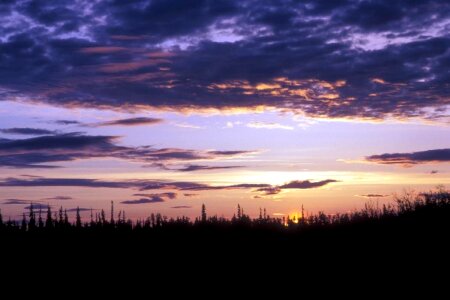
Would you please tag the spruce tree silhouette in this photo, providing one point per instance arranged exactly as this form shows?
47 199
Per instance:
32 221
66 218
49 221
204 217
112 213
24 223
78 218
40 221
103 217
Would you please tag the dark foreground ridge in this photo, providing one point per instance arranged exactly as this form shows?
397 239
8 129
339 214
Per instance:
415 228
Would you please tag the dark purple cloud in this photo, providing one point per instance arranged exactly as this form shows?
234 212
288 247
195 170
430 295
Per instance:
412 158
147 185
144 200
67 122
131 122
306 184
367 59
81 209
168 195
59 198
38 152
295 184
27 131
272 190
181 206
16 202
192 168
37 206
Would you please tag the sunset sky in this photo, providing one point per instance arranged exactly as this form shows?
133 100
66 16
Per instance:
162 105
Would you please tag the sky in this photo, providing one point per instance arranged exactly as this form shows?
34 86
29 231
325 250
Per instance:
163 105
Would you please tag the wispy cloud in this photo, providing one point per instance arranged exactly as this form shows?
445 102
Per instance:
187 125
138 121
269 125
193 168
373 196
58 198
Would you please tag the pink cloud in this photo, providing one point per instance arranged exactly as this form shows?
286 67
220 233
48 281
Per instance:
102 50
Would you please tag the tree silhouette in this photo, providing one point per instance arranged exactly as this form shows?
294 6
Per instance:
78 218
204 217
24 222
40 221
32 221
49 221
112 212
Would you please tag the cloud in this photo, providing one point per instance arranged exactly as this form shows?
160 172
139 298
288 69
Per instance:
187 125
154 199
190 195
37 206
27 131
373 196
412 158
131 122
272 190
81 209
67 122
295 184
168 195
306 184
16 202
181 206
157 184
192 168
37 152
102 50
59 198
313 57
74 182
266 125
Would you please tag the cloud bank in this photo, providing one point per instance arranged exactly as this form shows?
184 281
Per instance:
333 59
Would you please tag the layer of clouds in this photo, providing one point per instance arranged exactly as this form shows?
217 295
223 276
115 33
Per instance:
339 59
147 185
38 152
412 158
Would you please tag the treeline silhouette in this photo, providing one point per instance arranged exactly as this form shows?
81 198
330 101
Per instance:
408 206
413 224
